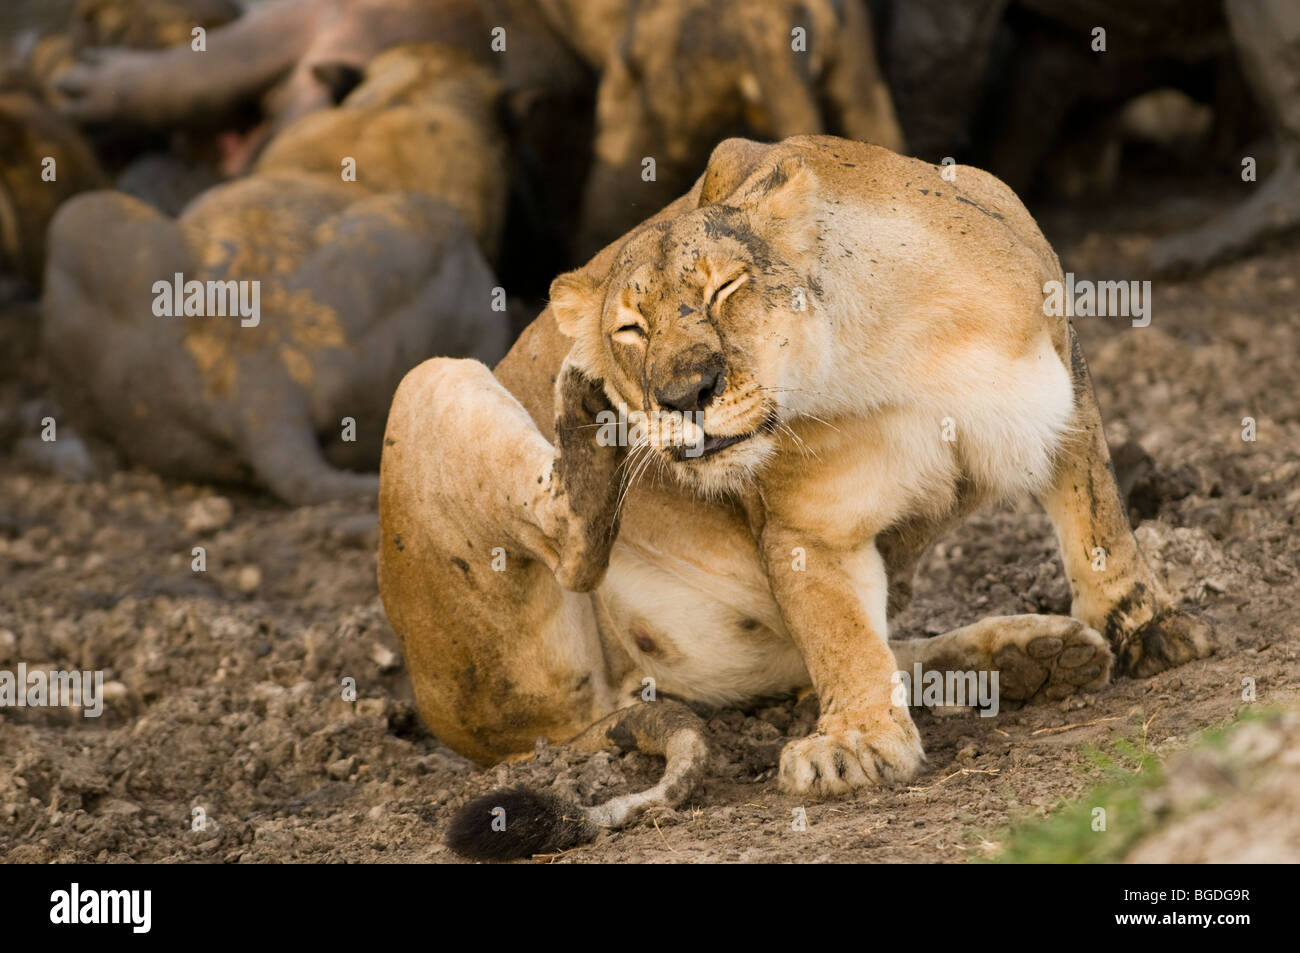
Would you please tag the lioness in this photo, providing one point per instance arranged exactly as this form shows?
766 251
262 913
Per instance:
829 310
676 76
281 53
132 24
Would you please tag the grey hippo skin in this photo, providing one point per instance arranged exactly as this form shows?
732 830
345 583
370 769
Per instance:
358 281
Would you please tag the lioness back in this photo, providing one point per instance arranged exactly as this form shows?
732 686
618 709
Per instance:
943 233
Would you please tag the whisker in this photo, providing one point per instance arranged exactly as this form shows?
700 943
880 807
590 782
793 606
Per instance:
632 452
821 421
627 481
645 462
804 449
837 401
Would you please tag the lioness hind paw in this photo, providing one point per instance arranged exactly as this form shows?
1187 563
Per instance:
1053 665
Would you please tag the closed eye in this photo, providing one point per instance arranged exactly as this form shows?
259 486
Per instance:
629 334
721 294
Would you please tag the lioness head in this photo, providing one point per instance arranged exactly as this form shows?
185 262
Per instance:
706 329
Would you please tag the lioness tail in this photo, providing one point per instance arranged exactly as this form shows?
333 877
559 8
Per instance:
517 822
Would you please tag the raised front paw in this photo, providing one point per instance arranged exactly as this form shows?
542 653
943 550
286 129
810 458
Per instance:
582 412
1174 636
847 753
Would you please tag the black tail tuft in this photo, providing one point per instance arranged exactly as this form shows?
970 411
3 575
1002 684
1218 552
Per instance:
532 823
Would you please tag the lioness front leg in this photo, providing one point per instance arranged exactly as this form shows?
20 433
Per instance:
833 603
1115 590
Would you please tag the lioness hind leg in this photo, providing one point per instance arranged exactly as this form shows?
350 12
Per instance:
1037 657
484 542
1114 589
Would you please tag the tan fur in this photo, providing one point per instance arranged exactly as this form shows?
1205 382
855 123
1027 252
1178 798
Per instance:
676 76
421 122
31 130
30 133
132 24
272 53
856 306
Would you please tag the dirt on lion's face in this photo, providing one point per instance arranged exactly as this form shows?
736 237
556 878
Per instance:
694 331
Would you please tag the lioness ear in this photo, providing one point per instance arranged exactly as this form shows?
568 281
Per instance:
575 301
788 190
783 201
732 162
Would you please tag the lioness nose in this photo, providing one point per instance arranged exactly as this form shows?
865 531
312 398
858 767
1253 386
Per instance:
691 393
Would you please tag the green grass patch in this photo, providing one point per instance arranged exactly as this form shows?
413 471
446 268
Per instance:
1127 769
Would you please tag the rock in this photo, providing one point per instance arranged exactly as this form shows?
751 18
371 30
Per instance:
341 769
437 761
66 457
23 553
1233 802
272 838
384 657
116 807
207 515
249 579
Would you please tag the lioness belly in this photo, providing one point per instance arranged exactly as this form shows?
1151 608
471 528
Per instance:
686 600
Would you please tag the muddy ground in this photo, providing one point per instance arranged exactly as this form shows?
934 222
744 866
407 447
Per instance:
225 685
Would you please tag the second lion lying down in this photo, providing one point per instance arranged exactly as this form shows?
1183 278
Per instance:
862 351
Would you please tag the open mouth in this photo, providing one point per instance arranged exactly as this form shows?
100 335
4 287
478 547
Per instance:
713 445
